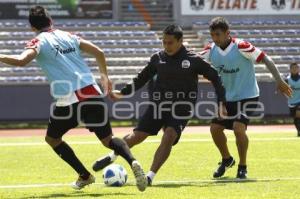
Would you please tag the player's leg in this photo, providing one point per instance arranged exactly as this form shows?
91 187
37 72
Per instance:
135 138
220 139
120 147
173 127
95 117
295 112
131 139
57 127
242 142
147 125
217 131
163 151
246 110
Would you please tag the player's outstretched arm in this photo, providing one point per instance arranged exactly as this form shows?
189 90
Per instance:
92 49
19 60
141 79
282 86
116 95
212 75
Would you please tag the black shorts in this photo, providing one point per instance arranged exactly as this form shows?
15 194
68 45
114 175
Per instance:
151 122
92 113
237 111
294 109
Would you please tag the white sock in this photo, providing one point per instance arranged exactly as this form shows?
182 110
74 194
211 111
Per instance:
151 175
112 156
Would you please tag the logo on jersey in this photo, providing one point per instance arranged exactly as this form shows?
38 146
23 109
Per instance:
197 4
58 49
278 4
185 64
223 70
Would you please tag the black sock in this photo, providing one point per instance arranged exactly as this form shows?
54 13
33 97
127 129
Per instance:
242 167
297 123
228 160
67 154
121 148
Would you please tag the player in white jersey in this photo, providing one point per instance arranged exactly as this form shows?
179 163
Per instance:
234 59
78 97
294 102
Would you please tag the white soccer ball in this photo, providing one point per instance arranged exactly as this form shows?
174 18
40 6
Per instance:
114 175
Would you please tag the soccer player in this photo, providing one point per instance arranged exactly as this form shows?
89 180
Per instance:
294 102
78 97
234 59
173 73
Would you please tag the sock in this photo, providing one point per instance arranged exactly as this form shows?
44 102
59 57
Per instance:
297 123
151 175
227 160
242 167
67 154
120 147
112 156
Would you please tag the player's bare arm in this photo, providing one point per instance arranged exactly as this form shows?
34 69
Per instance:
283 87
92 49
19 60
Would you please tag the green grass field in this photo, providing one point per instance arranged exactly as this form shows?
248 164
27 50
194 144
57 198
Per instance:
30 169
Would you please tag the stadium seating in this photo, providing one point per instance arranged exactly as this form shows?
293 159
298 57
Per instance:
278 38
128 45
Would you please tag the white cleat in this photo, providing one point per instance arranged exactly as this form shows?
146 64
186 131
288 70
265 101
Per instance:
140 177
80 183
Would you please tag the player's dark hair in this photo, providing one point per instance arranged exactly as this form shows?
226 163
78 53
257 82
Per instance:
174 30
293 64
219 23
39 17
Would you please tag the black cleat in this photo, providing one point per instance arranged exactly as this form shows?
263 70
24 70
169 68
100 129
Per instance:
149 181
102 163
223 166
242 172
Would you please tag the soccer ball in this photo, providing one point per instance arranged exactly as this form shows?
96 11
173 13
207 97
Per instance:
115 175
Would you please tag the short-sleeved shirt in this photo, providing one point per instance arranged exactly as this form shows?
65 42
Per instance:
295 85
59 56
235 64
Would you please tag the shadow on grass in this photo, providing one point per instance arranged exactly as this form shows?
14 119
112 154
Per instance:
78 194
203 183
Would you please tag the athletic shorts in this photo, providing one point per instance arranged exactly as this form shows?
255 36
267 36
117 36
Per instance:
294 109
237 111
151 123
92 113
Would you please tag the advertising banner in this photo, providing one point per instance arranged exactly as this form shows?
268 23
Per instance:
18 9
240 7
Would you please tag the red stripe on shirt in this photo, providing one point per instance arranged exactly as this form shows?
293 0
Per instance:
260 57
86 92
244 45
250 51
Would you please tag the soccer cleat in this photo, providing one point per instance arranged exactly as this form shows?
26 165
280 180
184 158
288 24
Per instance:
149 181
241 173
81 183
223 166
102 163
141 179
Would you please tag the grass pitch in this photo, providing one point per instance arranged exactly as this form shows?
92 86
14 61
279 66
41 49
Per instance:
30 169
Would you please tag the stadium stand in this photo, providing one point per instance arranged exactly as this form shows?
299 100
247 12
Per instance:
279 39
128 45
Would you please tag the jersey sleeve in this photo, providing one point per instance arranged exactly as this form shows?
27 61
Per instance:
206 52
75 37
34 44
249 51
142 78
